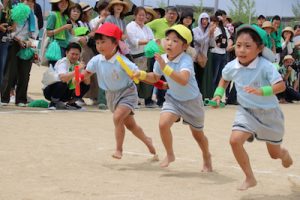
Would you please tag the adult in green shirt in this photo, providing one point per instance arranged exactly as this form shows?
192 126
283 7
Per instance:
159 26
57 26
276 35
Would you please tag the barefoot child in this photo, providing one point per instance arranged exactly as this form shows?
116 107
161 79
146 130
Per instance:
257 81
121 92
183 98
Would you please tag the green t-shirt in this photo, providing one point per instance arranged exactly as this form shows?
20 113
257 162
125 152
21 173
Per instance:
159 27
276 35
51 21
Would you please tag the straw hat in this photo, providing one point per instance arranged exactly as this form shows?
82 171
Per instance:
152 12
85 7
268 24
54 1
290 29
287 57
123 3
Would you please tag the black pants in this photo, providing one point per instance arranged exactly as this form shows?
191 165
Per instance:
289 94
16 72
60 91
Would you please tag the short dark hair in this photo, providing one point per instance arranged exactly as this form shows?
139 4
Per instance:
261 17
172 8
73 45
138 9
77 6
276 17
296 26
101 6
220 13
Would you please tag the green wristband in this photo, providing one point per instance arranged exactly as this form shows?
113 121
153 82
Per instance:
267 90
219 92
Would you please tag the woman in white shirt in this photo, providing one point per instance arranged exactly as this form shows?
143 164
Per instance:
138 36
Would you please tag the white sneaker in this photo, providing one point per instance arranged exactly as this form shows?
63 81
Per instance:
12 99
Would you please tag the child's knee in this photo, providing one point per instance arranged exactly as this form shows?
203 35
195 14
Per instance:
163 125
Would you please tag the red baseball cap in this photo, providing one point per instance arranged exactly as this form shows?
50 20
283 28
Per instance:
111 30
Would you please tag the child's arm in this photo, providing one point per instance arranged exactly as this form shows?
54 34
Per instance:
149 77
181 77
267 90
220 90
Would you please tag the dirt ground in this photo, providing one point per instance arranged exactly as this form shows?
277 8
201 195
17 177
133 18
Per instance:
66 155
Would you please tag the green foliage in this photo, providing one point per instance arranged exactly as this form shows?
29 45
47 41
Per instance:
161 3
296 10
198 9
243 10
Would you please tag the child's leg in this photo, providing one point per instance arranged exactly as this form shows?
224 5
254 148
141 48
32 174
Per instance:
202 141
165 122
119 116
139 133
276 151
237 140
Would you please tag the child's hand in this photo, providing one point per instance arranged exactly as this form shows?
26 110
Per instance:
160 61
252 90
136 74
81 65
218 100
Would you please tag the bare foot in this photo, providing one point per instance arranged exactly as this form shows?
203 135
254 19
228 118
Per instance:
150 146
207 166
154 158
117 154
168 159
251 182
286 160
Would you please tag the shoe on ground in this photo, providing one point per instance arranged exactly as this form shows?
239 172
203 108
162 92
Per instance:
80 102
21 105
151 105
59 105
4 104
102 106
73 106
12 99
52 106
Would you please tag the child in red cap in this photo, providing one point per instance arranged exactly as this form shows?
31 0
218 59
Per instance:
121 92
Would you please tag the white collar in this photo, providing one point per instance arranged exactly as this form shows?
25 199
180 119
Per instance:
112 59
252 65
176 60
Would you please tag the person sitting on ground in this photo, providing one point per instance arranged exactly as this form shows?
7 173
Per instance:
64 89
289 76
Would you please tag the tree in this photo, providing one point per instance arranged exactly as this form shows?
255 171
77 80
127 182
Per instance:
243 10
198 9
296 10
161 4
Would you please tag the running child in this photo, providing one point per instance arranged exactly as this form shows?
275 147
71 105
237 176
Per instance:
259 116
183 98
121 92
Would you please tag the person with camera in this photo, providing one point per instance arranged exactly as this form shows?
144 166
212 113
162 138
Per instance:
20 58
290 78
